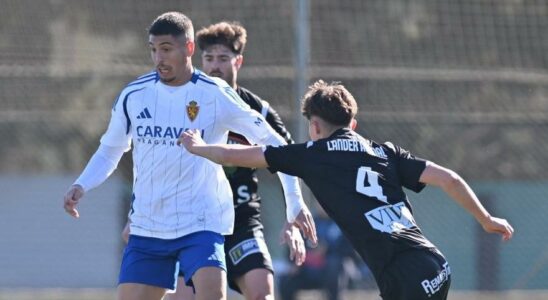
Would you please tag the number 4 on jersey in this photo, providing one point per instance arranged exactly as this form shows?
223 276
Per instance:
373 189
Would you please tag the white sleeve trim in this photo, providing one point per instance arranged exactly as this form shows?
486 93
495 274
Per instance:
264 110
100 166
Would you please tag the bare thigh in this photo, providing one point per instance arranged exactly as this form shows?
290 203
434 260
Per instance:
183 291
210 283
257 284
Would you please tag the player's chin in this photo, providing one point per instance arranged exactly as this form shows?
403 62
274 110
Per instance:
167 78
217 74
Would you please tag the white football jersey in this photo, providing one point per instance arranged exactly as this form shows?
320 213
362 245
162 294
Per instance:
176 193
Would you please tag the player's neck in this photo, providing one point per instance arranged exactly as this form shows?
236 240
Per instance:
327 132
183 79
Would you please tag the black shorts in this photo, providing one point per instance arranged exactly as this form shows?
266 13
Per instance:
245 250
416 275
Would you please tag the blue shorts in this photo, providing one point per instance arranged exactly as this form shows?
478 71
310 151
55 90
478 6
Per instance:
156 262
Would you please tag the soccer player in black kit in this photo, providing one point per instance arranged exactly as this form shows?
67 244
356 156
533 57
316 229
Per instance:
360 184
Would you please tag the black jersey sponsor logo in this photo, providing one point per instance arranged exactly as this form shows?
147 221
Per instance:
391 218
431 286
246 248
192 110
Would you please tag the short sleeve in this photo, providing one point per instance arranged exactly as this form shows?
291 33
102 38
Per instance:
409 168
288 159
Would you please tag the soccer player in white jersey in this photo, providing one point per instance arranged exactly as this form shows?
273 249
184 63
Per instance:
249 265
182 204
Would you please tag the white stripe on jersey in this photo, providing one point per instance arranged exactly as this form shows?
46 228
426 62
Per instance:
264 109
177 193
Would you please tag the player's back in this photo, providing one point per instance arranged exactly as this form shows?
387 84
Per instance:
359 184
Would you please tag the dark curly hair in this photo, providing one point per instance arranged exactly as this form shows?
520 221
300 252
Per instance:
331 102
230 34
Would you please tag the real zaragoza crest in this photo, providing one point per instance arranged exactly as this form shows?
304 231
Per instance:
192 110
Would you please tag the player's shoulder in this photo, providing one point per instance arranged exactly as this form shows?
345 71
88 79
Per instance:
248 95
212 84
136 85
300 148
308 146
392 149
217 89
143 80
388 145
254 101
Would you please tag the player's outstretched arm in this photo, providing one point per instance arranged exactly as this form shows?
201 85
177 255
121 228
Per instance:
242 156
459 191
71 199
227 155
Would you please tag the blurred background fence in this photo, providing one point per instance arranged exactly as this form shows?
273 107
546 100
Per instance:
462 83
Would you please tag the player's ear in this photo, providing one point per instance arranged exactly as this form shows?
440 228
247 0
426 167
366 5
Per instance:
239 61
353 124
190 45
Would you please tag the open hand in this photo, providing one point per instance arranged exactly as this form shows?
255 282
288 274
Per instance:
291 236
305 222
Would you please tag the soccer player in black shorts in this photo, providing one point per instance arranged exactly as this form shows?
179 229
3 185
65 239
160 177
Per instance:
360 184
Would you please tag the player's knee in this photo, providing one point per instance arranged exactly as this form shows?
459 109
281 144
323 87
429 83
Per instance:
211 294
259 294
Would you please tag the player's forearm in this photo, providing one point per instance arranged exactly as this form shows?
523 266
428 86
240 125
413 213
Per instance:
459 191
233 155
100 166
